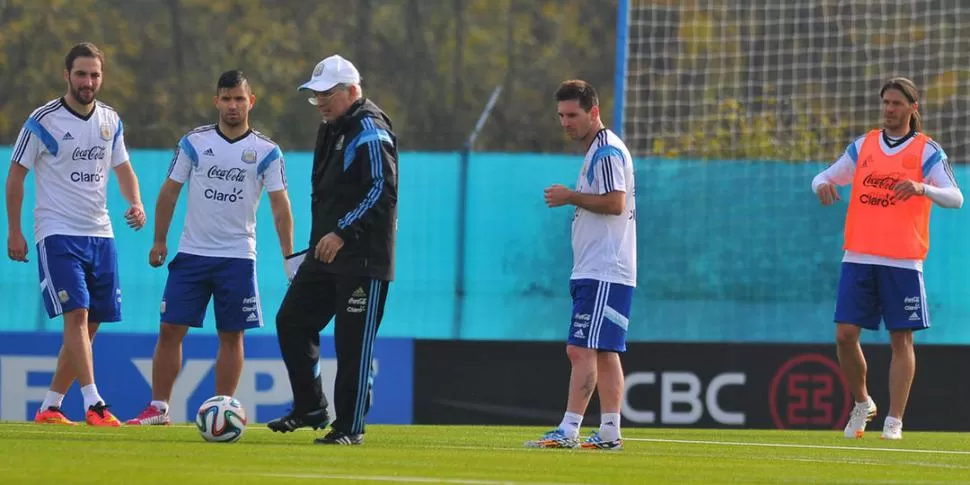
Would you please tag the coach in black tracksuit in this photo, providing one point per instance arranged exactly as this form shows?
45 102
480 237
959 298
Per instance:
346 271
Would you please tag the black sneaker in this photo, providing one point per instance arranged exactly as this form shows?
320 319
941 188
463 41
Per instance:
293 421
335 437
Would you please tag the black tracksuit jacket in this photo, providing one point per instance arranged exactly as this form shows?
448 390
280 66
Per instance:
355 191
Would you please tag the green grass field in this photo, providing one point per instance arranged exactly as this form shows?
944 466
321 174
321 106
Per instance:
474 456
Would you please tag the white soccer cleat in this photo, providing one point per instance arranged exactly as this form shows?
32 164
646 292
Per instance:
892 429
861 414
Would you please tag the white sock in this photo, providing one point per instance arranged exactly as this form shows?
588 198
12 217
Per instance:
610 427
52 399
91 396
891 420
161 406
570 424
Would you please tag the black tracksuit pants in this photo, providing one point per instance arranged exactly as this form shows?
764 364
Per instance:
314 297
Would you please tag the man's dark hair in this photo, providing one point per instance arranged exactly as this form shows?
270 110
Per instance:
908 88
578 90
84 49
231 79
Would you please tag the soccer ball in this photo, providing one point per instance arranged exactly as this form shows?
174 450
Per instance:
221 419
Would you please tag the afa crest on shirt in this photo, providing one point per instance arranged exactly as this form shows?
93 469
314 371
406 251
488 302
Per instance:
911 161
249 156
105 132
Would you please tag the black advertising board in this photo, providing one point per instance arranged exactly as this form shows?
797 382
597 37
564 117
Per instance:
766 386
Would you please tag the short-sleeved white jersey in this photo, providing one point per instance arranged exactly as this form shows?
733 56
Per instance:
71 156
226 178
605 246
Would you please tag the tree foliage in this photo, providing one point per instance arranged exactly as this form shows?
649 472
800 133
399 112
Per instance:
431 64
751 79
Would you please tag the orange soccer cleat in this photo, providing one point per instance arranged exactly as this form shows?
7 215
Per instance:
52 415
98 415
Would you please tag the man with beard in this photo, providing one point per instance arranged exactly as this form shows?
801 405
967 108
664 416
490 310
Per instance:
70 143
897 174
604 274
228 165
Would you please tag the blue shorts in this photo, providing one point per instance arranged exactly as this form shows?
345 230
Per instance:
601 314
868 292
230 282
80 272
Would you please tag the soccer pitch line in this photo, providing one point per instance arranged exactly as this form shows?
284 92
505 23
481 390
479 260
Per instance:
792 445
396 479
512 448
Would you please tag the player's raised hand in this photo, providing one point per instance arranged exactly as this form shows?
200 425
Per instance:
135 216
906 189
17 247
158 254
557 195
828 194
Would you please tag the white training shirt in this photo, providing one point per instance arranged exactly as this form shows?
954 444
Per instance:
226 179
941 188
70 156
605 246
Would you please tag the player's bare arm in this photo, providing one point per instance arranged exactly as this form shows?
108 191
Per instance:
279 202
128 183
168 196
611 203
16 243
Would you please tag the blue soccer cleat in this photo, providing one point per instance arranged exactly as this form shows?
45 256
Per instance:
594 442
556 438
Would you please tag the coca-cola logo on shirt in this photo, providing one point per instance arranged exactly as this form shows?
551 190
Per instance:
96 152
228 174
883 180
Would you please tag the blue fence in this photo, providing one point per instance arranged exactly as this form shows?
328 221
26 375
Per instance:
728 251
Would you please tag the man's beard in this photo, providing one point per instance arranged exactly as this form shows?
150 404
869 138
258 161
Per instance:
79 95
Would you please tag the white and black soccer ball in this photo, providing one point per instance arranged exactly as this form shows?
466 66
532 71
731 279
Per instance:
221 419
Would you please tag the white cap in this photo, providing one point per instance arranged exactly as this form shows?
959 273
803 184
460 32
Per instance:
330 72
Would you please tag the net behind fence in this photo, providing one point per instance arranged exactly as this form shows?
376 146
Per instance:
772 80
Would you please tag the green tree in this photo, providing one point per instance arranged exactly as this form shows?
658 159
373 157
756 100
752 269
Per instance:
430 63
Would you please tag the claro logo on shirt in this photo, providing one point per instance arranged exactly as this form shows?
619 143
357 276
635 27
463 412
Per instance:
232 196
88 177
